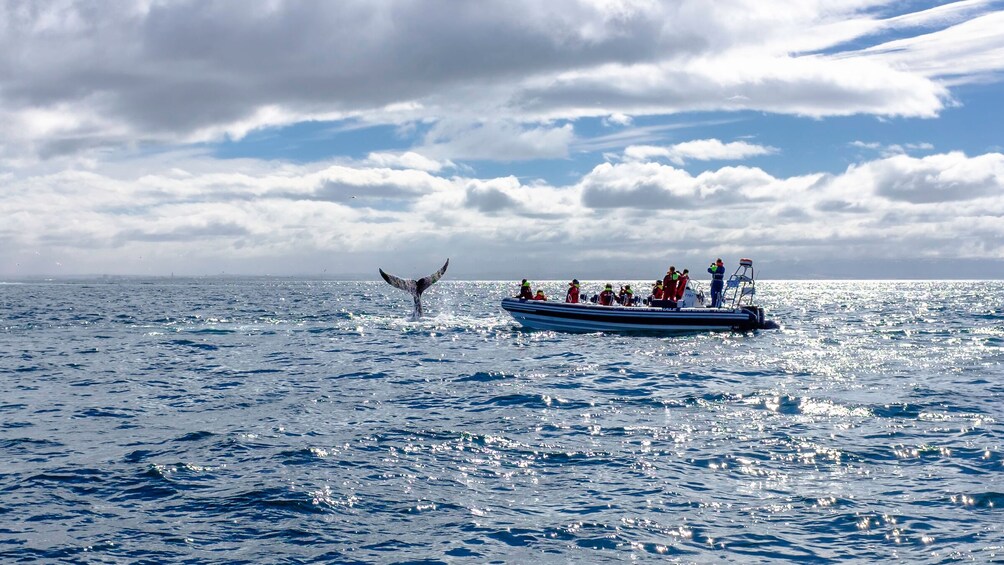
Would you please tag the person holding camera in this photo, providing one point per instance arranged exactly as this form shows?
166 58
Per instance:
717 270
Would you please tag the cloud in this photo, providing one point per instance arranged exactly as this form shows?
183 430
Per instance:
497 140
499 79
406 160
699 150
966 52
490 197
617 119
189 213
652 186
892 149
938 178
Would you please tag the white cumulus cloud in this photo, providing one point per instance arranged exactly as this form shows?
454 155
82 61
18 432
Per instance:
699 150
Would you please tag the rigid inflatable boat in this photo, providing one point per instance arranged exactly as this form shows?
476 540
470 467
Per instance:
738 312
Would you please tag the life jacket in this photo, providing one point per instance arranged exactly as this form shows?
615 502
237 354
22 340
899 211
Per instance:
573 294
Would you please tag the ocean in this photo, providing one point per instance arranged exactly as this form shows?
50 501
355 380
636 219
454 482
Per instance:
269 420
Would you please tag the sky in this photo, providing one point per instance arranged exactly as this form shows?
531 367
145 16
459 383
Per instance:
589 138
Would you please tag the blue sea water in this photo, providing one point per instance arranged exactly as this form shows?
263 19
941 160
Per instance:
297 421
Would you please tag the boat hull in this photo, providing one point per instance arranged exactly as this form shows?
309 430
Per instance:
589 317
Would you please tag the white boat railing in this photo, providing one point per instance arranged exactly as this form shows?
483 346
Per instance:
740 289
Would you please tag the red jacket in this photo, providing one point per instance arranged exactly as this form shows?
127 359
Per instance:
681 286
573 295
669 284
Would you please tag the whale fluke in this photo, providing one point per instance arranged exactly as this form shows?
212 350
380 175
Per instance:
415 287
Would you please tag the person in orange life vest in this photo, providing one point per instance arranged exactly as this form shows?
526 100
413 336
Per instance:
717 270
657 290
607 296
539 295
628 299
573 292
524 291
681 285
669 283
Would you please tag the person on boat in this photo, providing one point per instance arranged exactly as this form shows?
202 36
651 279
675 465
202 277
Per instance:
681 285
539 295
524 291
620 295
657 290
717 270
669 283
628 299
572 296
607 296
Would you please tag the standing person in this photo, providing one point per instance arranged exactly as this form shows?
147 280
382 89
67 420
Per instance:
572 297
669 283
681 285
607 296
524 291
717 270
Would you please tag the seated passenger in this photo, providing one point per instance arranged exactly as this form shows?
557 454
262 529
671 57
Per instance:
657 290
628 299
524 291
539 295
572 296
607 296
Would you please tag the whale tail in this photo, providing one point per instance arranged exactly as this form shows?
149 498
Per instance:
415 287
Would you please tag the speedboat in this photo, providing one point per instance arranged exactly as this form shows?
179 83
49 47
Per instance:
660 316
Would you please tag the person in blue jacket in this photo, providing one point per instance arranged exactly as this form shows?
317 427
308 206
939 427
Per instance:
717 270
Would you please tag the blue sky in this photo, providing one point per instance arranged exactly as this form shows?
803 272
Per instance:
587 138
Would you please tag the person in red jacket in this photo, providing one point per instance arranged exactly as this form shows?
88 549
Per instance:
669 283
681 285
657 290
572 297
539 295
607 296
